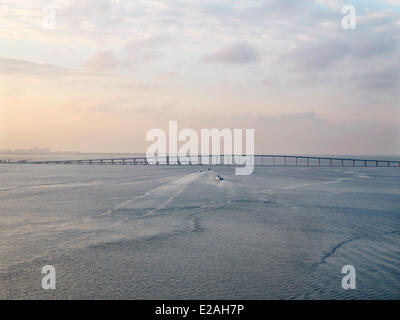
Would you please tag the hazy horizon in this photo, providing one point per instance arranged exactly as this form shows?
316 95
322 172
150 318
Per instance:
31 151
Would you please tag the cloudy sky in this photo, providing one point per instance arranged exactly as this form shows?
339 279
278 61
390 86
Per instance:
110 70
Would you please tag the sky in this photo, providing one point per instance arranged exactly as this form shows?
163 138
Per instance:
107 71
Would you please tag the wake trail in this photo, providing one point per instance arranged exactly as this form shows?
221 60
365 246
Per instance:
344 242
335 248
316 183
171 190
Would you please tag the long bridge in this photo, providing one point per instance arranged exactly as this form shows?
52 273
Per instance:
224 160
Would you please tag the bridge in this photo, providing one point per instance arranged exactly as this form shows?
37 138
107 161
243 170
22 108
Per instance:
223 160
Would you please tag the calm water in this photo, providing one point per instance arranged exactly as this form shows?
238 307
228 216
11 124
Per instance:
125 232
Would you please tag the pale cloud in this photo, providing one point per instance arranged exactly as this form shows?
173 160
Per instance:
317 57
169 76
148 43
10 66
102 61
391 2
334 4
146 49
238 53
162 110
388 78
16 66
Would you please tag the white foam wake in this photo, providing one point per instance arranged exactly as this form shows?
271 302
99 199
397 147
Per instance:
159 197
314 183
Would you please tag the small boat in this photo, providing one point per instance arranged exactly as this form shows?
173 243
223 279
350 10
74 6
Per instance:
219 178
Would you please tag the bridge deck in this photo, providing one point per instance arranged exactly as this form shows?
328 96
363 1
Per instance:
225 160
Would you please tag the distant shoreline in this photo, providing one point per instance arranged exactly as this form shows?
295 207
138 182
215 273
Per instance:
61 152
28 152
